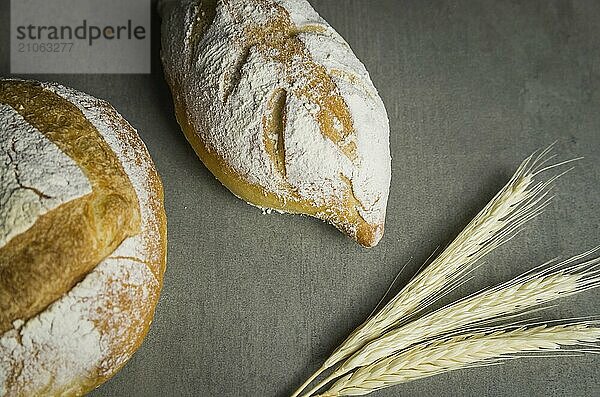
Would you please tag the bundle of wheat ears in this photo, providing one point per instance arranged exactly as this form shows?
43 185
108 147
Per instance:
406 340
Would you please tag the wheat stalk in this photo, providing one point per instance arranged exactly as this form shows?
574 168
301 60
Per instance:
534 288
465 351
515 296
522 199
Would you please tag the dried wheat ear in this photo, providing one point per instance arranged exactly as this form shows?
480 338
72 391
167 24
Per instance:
406 340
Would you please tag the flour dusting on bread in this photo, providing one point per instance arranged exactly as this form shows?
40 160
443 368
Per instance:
324 140
90 332
35 177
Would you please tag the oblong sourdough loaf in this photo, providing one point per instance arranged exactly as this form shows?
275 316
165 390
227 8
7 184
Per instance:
279 109
82 240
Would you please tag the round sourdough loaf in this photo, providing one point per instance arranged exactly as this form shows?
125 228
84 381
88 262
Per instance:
82 240
279 109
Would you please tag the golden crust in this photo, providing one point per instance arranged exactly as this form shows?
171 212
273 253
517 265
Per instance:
155 241
344 216
278 40
123 310
41 264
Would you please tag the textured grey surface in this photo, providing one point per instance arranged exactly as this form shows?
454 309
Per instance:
253 303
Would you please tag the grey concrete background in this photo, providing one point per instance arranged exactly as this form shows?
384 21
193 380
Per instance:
253 303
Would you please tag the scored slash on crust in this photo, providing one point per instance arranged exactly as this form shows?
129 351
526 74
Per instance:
278 40
274 128
272 114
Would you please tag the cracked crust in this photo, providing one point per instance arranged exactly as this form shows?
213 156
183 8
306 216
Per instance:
40 265
95 262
